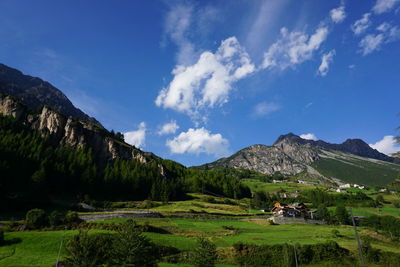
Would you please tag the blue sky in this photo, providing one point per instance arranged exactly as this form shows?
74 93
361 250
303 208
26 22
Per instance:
196 80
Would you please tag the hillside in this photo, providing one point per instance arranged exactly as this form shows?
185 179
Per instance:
350 162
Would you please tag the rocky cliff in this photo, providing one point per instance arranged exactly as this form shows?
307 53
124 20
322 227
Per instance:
353 146
291 155
34 93
63 130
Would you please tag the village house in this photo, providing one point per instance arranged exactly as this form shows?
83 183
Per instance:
304 182
279 181
291 210
345 186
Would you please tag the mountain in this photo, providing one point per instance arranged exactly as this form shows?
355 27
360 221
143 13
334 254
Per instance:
352 161
34 92
353 146
396 157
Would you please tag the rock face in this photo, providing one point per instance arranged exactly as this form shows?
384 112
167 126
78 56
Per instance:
34 92
353 146
62 130
264 159
291 155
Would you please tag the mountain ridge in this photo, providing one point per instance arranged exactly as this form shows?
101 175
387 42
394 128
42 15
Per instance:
292 155
34 92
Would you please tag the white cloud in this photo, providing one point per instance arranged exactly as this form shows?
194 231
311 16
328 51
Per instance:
177 24
309 136
264 108
387 145
371 42
362 24
137 137
168 128
197 141
208 82
293 48
338 14
325 61
387 34
382 6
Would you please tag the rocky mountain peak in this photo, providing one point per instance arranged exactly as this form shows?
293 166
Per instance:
289 138
33 92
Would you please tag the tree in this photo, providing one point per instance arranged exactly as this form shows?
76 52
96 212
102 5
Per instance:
36 218
323 213
380 199
84 250
131 248
342 215
205 254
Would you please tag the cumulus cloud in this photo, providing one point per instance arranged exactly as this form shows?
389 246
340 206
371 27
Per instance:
362 24
338 14
168 128
387 145
386 34
265 108
197 141
293 48
325 61
382 6
208 82
309 136
137 137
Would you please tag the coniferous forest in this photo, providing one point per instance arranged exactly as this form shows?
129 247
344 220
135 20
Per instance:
32 168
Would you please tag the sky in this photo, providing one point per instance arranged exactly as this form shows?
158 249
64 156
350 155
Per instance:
194 81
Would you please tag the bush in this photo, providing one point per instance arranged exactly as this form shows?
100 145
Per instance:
72 217
283 255
335 233
55 218
36 218
396 203
205 254
88 250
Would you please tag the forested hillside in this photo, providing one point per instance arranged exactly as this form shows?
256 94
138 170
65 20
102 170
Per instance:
33 168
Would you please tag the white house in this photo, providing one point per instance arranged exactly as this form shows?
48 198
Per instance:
345 186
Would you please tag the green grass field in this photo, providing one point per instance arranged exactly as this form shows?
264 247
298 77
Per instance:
41 248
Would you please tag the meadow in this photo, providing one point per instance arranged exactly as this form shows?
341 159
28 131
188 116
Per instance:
41 248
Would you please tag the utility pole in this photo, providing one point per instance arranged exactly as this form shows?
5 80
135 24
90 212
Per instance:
295 253
358 239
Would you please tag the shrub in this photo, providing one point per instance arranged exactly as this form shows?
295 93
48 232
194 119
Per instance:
86 250
396 203
131 248
36 218
205 254
380 199
283 255
210 200
55 218
72 217
335 233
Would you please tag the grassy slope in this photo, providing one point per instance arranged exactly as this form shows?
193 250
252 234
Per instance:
41 248
359 171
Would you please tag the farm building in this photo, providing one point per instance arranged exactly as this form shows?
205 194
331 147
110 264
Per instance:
292 210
